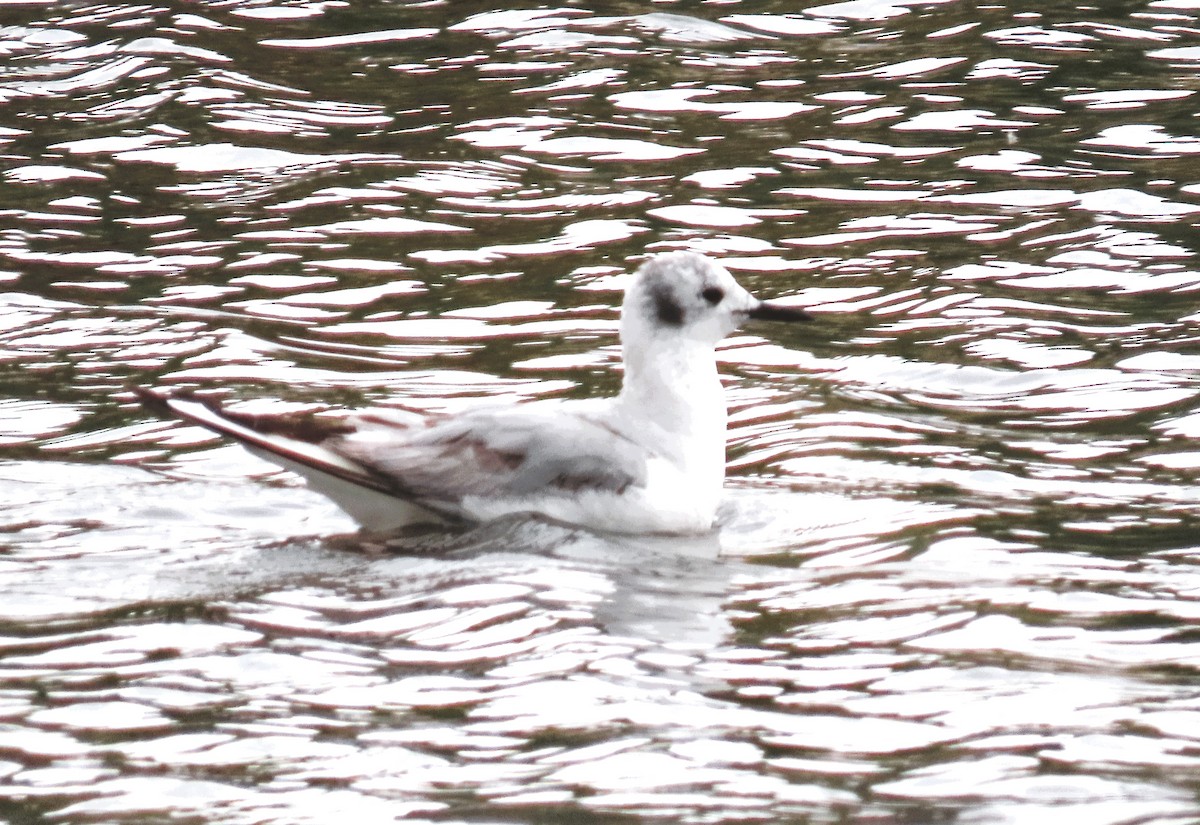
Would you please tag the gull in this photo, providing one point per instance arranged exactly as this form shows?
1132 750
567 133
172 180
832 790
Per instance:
649 460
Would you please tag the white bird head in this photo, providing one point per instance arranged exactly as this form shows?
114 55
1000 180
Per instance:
685 295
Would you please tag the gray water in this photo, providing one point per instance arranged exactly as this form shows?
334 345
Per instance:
957 578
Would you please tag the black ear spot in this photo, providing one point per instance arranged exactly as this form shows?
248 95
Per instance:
667 309
713 294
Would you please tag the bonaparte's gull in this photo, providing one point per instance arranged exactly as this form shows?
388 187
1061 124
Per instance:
649 460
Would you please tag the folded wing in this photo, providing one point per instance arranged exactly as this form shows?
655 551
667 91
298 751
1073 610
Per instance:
389 468
508 453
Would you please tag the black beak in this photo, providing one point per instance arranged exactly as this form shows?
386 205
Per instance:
774 312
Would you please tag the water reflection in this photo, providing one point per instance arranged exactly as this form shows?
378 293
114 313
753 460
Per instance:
956 574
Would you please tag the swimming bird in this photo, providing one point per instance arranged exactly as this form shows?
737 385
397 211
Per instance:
648 460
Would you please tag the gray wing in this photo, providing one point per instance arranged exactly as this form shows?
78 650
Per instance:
508 452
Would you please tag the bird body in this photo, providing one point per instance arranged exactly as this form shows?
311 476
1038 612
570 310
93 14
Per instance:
649 460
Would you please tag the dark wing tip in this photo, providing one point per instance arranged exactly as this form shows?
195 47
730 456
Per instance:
181 404
153 400
160 402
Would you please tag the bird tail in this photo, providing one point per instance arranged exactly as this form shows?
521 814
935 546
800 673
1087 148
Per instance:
296 444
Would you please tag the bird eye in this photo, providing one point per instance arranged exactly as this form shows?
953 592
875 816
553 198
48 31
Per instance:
713 295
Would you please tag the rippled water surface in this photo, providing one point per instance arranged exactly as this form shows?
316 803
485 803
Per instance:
958 578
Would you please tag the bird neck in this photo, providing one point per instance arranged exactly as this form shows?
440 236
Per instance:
673 387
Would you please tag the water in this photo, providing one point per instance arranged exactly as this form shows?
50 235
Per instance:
958 576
